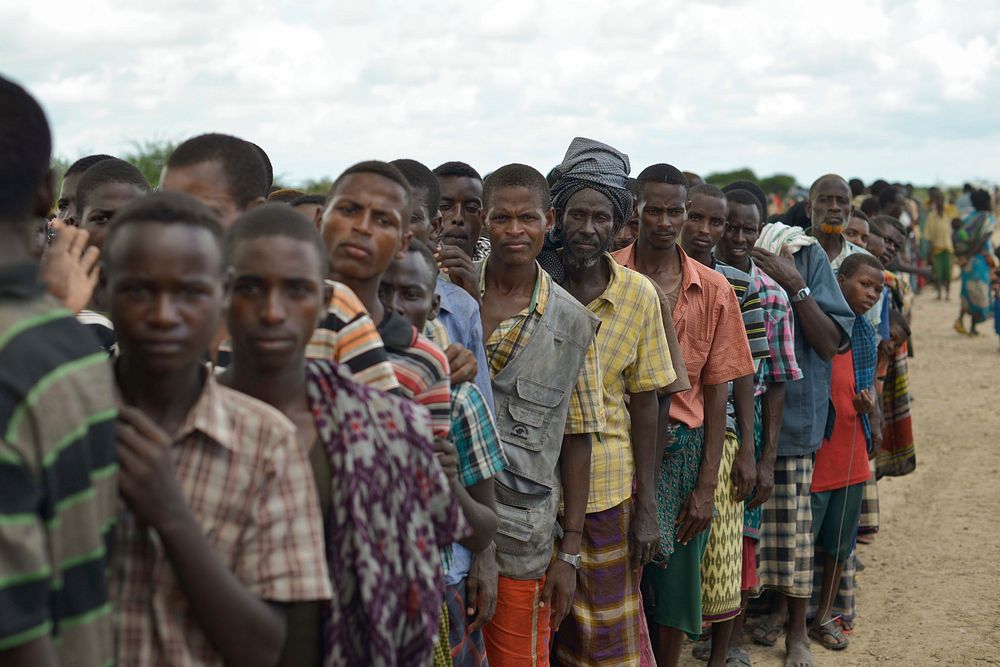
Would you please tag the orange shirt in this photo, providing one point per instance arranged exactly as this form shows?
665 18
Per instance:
710 331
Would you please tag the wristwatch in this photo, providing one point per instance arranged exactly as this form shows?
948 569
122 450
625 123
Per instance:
801 295
575 559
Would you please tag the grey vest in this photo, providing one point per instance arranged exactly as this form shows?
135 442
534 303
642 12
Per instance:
532 395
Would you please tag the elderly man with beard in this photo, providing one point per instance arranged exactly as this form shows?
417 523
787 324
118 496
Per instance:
620 533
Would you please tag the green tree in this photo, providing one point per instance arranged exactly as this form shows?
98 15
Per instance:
778 183
317 186
722 178
149 156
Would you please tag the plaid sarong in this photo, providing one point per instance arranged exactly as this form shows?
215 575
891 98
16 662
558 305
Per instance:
603 626
869 505
467 648
786 536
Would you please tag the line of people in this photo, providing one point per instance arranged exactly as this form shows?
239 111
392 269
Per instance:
432 418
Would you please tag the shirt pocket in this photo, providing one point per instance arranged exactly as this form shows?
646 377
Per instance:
531 411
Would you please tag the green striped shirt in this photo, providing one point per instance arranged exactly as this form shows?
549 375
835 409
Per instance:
58 483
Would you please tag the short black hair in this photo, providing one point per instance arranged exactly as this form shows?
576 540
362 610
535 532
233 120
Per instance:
274 219
164 208
421 178
877 187
870 206
857 186
308 199
379 168
246 173
706 189
738 196
85 163
899 319
858 213
752 188
457 169
852 263
25 151
826 177
418 247
981 200
268 167
633 185
886 221
517 175
659 173
108 171
888 195
693 178
875 230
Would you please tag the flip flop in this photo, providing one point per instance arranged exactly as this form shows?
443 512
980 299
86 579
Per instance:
738 657
766 633
702 649
960 328
830 636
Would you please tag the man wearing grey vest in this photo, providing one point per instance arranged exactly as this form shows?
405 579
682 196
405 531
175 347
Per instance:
547 389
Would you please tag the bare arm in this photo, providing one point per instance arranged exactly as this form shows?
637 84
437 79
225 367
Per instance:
478 504
745 467
643 409
773 413
696 514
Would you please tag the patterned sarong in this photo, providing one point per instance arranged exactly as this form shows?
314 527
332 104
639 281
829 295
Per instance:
869 505
677 479
786 540
751 517
722 565
603 626
898 456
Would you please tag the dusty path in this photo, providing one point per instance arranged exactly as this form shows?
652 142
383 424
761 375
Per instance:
931 592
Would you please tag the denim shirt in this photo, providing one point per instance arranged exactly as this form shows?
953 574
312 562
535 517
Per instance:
807 401
460 317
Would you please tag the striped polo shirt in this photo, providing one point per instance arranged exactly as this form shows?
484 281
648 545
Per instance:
58 481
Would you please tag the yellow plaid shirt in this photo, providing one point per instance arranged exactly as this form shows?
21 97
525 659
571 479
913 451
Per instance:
586 407
635 358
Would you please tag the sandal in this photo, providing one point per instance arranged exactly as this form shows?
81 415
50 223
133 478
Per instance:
738 657
960 328
766 633
829 635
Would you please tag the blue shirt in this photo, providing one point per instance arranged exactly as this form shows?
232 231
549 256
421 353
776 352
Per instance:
807 401
460 317
883 326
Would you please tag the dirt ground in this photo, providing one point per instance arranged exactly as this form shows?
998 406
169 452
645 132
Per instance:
930 593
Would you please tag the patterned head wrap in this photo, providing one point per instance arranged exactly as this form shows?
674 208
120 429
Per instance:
591 164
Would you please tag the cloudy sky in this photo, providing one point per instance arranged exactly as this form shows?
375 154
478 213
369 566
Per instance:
905 90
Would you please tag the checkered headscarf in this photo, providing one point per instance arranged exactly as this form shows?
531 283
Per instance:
591 164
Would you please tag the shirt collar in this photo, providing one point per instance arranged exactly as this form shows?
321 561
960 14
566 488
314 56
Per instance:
689 273
19 280
540 293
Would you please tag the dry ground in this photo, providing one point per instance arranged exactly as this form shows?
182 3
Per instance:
930 594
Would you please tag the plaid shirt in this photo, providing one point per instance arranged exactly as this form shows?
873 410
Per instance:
635 358
250 488
586 404
864 351
474 434
780 365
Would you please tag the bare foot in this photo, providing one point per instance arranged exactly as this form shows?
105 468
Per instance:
799 654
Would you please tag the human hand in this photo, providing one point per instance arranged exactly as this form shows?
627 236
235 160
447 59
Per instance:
644 534
146 473
781 268
459 268
744 474
481 588
70 268
447 457
558 592
462 363
864 402
696 514
765 485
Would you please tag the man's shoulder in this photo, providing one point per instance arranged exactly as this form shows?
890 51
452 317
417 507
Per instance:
568 305
712 281
638 288
426 346
344 305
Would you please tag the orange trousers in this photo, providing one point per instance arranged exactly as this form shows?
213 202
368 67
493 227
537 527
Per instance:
518 635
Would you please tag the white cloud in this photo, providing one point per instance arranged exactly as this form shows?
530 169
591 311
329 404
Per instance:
890 89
